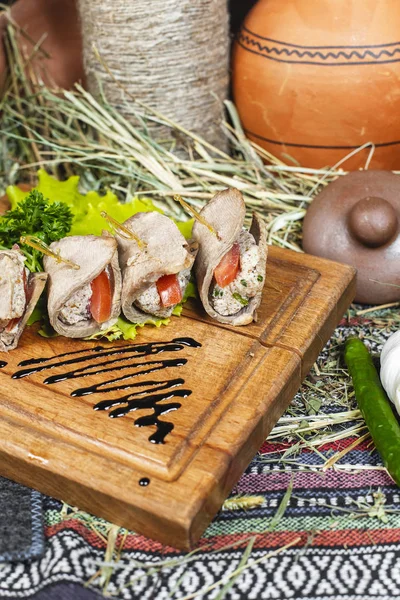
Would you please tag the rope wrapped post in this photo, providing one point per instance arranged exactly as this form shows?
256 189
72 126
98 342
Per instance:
172 56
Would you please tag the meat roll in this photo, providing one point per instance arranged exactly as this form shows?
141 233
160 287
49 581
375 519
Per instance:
19 292
230 267
155 274
84 301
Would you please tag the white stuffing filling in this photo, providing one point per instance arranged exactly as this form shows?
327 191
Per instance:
7 337
149 300
12 288
77 308
12 291
232 298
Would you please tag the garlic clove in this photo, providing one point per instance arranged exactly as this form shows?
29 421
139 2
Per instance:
390 369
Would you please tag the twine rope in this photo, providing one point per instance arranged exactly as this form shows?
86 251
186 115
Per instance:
172 55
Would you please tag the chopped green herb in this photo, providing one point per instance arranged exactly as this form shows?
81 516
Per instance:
35 215
260 277
216 292
243 282
240 299
221 293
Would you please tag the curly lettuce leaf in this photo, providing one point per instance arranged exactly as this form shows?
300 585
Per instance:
86 208
124 330
53 189
185 227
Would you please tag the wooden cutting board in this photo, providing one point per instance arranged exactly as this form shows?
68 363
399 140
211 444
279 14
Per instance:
186 417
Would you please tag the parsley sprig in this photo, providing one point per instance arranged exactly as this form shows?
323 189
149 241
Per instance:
35 215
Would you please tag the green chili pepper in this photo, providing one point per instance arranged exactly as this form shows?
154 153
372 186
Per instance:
374 405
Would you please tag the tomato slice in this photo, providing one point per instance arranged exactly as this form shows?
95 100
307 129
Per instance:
24 279
101 300
228 268
169 290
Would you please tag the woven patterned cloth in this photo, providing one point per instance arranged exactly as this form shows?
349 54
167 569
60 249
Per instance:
347 519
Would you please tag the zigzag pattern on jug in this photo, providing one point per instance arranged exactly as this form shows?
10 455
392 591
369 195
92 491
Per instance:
292 53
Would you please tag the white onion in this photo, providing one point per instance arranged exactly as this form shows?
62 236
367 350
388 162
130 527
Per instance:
390 369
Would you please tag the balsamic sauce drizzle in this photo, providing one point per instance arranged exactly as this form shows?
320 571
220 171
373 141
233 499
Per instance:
141 350
2 364
37 361
84 371
96 388
142 399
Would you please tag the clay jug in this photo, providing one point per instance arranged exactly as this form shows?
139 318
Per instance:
315 79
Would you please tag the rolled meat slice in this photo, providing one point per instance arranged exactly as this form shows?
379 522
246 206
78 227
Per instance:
19 292
230 267
84 301
156 273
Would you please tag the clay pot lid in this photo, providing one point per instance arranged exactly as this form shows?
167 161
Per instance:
356 220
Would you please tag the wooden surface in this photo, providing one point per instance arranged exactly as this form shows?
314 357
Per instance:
242 380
